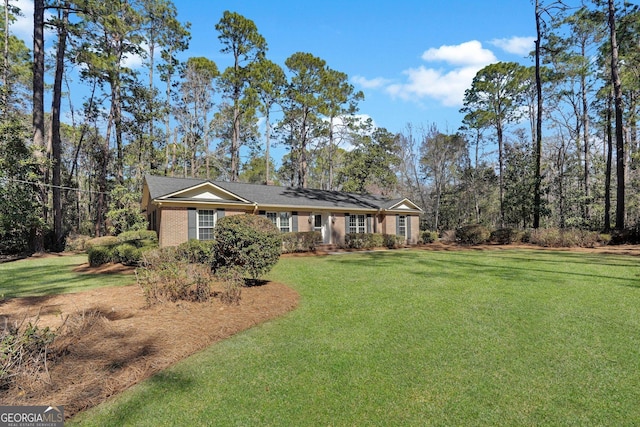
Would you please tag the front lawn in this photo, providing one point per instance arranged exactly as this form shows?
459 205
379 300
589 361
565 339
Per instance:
53 274
419 338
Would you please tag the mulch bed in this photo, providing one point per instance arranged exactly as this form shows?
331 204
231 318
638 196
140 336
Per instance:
110 339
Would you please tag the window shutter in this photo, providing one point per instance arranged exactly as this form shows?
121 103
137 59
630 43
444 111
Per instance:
294 222
397 225
219 213
192 223
346 223
369 224
408 229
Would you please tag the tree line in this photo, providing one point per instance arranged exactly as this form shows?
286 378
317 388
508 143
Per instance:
82 173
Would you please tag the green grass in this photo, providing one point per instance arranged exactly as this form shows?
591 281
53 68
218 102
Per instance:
52 275
419 338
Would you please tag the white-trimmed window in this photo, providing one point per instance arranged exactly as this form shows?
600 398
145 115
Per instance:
402 225
357 224
206 223
282 220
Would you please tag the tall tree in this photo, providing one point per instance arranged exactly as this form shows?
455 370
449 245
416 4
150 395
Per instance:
268 83
440 158
241 39
56 143
619 136
369 167
303 106
495 97
193 109
341 101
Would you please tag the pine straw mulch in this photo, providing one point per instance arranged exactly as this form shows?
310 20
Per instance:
110 339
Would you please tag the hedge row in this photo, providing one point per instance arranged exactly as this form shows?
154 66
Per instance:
126 248
301 241
372 240
476 234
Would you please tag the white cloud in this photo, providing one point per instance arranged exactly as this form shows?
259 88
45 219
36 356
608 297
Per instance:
23 27
365 83
447 87
515 45
468 53
448 83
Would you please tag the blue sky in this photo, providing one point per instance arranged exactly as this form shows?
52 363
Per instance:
413 59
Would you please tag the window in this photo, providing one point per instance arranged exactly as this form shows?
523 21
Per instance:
282 220
357 224
206 222
402 225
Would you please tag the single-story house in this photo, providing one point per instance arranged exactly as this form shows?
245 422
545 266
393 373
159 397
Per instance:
180 209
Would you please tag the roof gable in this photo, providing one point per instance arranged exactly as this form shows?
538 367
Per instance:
205 191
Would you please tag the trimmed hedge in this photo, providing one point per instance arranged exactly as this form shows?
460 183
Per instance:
301 241
428 236
474 234
249 244
196 251
506 236
363 240
393 241
99 255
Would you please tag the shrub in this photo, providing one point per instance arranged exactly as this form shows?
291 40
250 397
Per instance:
393 241
99 255
302 241
196 251
249 243
101 241
139 237
164 277
428 236
506 236
363 240
76 242
127 254
566 238
473 234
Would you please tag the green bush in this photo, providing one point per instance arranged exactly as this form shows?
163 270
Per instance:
393 241
251 244
139 237
473 234
101 241
506 236
99 255
363 240
302 241
127 254
196 251
428 236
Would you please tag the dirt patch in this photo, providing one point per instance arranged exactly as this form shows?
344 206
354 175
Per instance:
114 340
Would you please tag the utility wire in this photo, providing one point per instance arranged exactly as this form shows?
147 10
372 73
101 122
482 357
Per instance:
53 186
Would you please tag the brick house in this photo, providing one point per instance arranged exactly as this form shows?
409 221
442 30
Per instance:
179 209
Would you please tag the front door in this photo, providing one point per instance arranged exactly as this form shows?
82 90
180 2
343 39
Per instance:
321 224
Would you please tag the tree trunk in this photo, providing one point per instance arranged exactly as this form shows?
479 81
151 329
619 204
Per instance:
617 92
5 67
536 198
607 174
55 130
38 106
585 136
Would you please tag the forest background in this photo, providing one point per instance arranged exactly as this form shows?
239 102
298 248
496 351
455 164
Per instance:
550 145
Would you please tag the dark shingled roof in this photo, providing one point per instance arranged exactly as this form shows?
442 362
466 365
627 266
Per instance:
269 195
